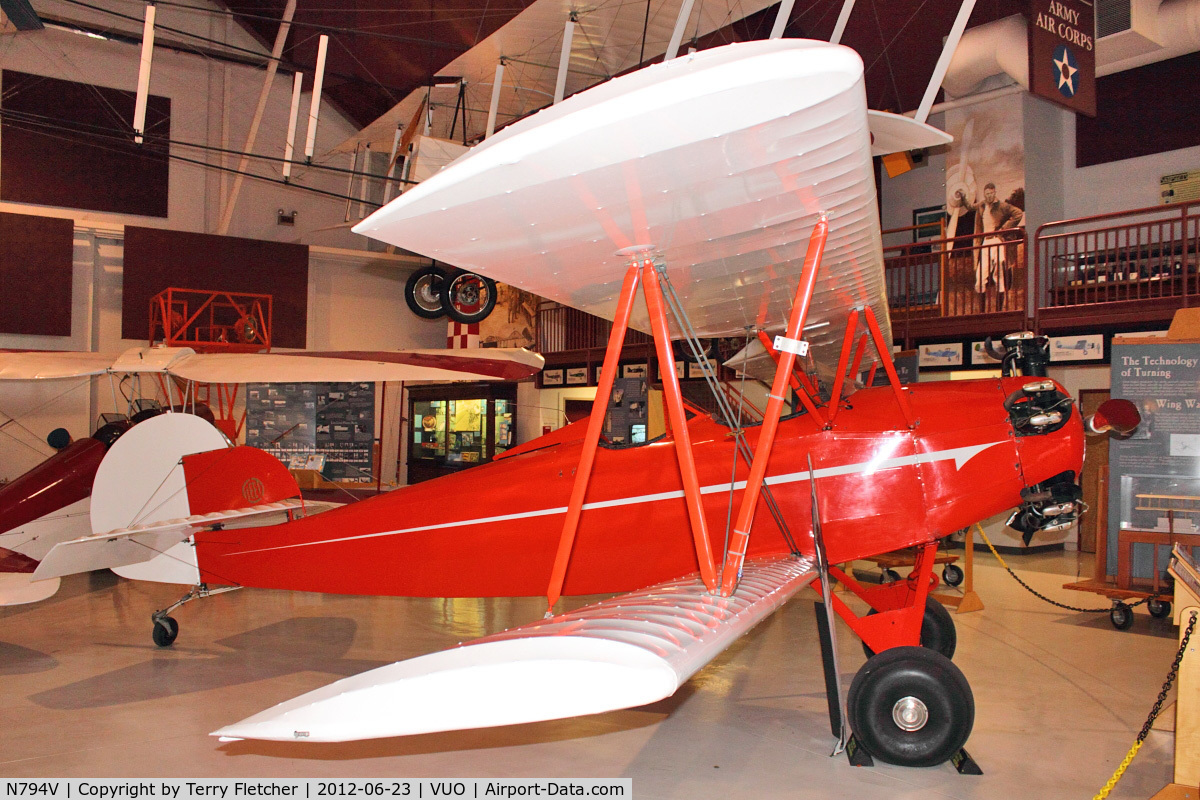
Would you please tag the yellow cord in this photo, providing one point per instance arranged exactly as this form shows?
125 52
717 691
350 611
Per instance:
988 542
1112 782
1108 787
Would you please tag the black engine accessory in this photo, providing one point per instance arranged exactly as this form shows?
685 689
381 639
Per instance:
1052 505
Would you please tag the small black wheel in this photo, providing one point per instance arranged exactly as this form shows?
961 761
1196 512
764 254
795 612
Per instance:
165 631
952 575
423 292
1159 609
937 630
709 348
1121 617
911 706
468 298
889 576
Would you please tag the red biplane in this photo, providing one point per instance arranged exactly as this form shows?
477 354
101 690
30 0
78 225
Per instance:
734 186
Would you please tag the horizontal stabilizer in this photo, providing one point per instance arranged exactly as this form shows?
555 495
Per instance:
140 543
894 133
627 651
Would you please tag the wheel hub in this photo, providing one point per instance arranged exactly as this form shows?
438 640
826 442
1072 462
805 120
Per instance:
910 714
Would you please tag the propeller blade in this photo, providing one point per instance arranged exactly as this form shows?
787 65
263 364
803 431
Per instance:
1120 416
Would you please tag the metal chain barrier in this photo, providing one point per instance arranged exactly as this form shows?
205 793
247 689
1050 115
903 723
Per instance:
1154 712
1039 595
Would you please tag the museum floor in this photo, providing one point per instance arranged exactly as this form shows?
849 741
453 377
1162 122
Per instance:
1060 696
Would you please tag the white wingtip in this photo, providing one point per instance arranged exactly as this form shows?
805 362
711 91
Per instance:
475 686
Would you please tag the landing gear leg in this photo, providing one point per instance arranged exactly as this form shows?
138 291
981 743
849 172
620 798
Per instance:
166 629
908 705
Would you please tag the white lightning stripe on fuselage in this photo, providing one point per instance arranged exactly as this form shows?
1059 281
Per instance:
959 455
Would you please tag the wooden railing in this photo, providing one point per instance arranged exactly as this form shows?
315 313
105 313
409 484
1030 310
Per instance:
966 276
562 328
1128 266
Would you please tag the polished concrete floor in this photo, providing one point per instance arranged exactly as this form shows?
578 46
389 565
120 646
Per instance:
1059 695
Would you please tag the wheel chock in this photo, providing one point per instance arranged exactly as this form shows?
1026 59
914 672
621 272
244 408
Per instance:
965 765
858 756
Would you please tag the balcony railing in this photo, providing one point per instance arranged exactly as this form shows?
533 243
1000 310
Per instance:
562 328
1126 267
931 282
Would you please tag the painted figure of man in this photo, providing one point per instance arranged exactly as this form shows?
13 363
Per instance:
992 217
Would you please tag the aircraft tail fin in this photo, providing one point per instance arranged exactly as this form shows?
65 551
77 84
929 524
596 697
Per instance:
149 498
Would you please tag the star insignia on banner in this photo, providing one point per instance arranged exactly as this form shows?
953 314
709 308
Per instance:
1066 69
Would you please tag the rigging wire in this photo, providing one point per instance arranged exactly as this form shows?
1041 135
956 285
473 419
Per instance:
207 165
123 136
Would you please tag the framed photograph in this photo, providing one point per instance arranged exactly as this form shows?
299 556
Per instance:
1088 347
552 377
927 222
633 371
941 355
980 355
577 376
694 370
679 370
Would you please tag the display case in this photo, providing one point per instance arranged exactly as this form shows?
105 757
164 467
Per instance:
455 427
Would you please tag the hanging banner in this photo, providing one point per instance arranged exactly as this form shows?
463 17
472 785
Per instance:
1062 53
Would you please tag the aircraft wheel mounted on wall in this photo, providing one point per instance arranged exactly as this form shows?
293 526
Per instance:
467 297
1159 609
953 575
1121 617
165 632
937 630
911 706
423 292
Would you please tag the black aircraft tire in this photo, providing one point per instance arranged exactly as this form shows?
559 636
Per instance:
165 632
423 292
916 687
937 630
953 575
468 298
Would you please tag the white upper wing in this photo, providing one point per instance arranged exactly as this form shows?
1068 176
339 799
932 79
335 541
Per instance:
474 364
48 364
720 162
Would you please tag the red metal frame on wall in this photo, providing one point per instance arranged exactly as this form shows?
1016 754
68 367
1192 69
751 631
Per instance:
211 321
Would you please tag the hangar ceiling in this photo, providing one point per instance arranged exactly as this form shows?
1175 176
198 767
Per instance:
394 47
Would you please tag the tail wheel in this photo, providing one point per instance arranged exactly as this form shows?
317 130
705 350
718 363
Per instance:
165 631
953 575
911 706
937 630
423 292
468 297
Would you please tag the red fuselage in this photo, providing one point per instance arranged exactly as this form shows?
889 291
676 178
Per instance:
493 530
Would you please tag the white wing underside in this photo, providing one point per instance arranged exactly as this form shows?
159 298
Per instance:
628 651
720 163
